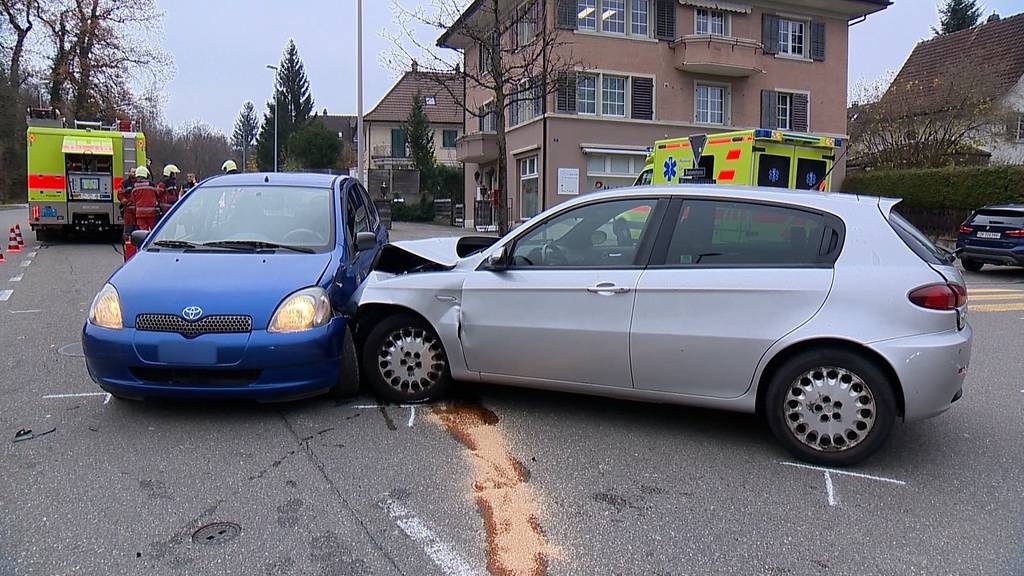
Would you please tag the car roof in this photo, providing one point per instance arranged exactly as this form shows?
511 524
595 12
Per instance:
807 198
276 179
1016 207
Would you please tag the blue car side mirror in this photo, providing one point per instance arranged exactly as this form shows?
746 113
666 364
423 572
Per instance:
365 241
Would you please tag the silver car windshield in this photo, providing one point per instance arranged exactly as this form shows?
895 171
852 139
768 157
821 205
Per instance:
262 215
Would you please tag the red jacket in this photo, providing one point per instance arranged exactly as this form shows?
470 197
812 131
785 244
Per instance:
167 194
146 203
124 198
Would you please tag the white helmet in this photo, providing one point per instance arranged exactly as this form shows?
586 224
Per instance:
170 169
142 172
229 166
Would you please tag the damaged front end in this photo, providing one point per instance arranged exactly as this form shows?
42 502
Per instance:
431 255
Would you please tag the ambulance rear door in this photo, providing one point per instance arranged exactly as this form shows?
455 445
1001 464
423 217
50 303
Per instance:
811 164
773 164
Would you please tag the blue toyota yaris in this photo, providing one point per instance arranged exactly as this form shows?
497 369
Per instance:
240 291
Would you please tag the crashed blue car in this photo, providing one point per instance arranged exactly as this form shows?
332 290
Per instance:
240 291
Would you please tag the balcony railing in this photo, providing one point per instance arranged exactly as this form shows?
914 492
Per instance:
385 152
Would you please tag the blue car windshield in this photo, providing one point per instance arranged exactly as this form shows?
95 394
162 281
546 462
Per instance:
286 215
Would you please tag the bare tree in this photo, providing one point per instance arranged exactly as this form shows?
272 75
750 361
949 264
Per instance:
102 51
525 56
927 123
19 16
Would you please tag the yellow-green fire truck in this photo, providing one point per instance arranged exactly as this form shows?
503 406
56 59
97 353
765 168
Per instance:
758 157
74 173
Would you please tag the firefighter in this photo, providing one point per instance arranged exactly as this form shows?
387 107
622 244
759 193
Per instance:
167 189
229 167
144 200
124 199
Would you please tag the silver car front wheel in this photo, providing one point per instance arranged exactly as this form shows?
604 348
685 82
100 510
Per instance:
411 360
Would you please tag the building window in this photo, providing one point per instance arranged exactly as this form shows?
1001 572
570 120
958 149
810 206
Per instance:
529 188
528 102
710 22
398 143
448 138
586 94
639 17
488 118
785 111
430 100
613 17
586 14
711 104
526 27
613 95
1020 128
606 171
791 37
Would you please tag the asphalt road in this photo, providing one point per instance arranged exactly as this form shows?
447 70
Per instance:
327 487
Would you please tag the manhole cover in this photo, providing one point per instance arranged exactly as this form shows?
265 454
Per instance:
217 533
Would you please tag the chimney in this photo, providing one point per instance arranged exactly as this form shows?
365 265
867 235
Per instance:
415 66
993 18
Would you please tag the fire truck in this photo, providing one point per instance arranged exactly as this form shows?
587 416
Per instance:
758 157
74 173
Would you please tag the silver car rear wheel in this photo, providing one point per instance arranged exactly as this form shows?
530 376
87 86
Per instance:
411 360
829 409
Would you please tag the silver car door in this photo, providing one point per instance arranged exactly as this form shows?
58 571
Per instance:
727 279
561 310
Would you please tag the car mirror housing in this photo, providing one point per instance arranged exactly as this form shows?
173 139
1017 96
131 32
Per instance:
497 260
138 237
365 241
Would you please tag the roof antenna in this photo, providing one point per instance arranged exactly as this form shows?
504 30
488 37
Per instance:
266 179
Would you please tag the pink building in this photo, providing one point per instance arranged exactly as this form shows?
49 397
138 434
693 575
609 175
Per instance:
655 69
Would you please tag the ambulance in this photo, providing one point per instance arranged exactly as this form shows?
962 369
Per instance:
74 173
757 157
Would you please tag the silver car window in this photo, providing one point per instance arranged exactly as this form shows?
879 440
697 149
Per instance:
713 232
602 234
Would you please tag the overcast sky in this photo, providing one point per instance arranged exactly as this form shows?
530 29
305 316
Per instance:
221 47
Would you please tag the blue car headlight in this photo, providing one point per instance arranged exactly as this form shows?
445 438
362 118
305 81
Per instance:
105 310
303 310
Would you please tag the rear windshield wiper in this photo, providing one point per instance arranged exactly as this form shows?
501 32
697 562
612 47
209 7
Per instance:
257 245
175 244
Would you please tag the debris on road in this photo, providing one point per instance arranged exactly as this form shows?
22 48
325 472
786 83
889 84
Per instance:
27 434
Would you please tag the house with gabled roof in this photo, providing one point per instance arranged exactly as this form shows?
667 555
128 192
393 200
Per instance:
382 126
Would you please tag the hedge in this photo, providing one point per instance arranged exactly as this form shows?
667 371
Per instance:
942 188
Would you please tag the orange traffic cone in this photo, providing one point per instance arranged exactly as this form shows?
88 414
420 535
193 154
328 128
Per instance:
3 259
17 232
12 242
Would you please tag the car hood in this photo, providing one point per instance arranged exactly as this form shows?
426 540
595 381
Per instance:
431 254
219 283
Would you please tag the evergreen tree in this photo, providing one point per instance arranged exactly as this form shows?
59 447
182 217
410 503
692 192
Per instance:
956 15
314 146
292 98
419 137
246 129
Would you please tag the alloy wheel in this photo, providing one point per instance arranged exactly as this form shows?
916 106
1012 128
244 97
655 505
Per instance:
411 360
829 409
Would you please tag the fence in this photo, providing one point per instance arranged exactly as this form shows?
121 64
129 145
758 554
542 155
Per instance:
935 222
485 216
449 214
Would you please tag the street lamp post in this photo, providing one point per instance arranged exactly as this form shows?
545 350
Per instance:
360 144
274 68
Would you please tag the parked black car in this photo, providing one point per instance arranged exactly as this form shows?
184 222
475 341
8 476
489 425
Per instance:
992 235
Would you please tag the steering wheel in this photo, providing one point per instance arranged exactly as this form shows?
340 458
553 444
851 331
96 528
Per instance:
552 255
316 237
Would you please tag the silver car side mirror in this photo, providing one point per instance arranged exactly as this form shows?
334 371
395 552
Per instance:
497 260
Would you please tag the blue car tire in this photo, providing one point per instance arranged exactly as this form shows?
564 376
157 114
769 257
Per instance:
348 376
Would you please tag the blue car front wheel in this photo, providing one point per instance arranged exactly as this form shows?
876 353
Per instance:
348 376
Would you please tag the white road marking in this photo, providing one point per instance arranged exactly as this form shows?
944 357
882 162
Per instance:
845 473
444 555
5 294
411 407
25 311
26 263
829 490
80 394
17 278
32 254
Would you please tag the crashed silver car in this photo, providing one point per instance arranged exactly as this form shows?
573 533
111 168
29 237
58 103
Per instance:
828 314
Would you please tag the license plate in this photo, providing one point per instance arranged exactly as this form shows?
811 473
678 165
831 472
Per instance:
187 353
989 235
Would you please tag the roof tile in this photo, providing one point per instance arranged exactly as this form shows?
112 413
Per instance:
396 104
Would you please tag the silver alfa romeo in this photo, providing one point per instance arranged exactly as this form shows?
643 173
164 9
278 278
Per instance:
829 315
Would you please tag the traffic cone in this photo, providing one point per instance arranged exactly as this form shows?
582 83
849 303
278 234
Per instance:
3 259
12 242
17 232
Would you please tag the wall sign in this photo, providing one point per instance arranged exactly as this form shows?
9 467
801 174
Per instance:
569 181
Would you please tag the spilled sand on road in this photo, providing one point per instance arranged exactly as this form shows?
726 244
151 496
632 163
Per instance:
516 545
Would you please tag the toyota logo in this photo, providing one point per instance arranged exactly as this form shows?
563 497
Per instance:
192 313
